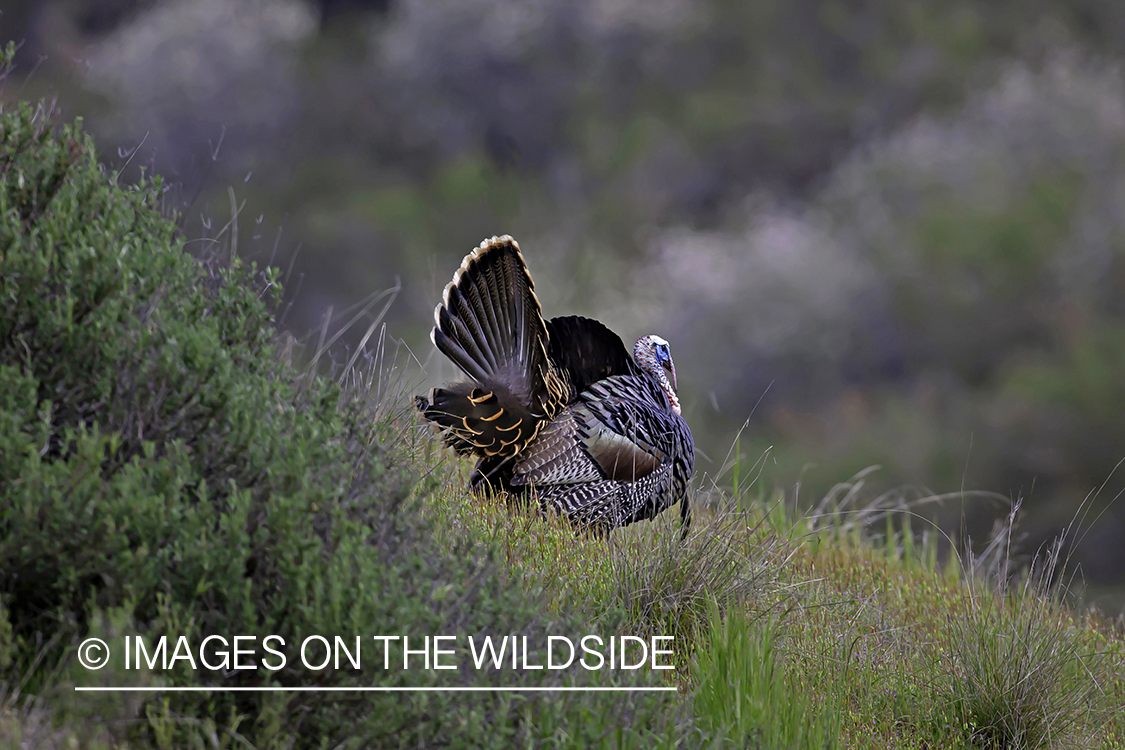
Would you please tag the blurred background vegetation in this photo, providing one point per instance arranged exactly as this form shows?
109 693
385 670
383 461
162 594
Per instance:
887 232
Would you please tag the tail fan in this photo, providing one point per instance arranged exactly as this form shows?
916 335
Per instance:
490 324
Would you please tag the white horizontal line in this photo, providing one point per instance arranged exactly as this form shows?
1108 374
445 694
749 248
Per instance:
371 689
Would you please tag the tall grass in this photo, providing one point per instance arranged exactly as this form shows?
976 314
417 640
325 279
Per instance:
1020 674
743 688
667 584
1022 671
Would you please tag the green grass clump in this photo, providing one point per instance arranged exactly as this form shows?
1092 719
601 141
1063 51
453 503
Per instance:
1022 672
742 686
666 584
1018 675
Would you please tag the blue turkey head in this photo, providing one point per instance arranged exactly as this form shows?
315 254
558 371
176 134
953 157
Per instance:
654 356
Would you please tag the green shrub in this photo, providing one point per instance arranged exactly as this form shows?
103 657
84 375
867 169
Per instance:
163 473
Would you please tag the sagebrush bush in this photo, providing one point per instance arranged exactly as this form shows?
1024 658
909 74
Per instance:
163 473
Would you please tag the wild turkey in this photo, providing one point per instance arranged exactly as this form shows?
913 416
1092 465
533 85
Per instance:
556 409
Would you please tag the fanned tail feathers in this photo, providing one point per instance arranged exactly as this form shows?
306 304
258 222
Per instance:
490 324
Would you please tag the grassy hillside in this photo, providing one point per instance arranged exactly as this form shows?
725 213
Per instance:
838 628
165 470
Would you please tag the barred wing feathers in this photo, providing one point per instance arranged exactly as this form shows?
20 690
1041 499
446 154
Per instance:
616 456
